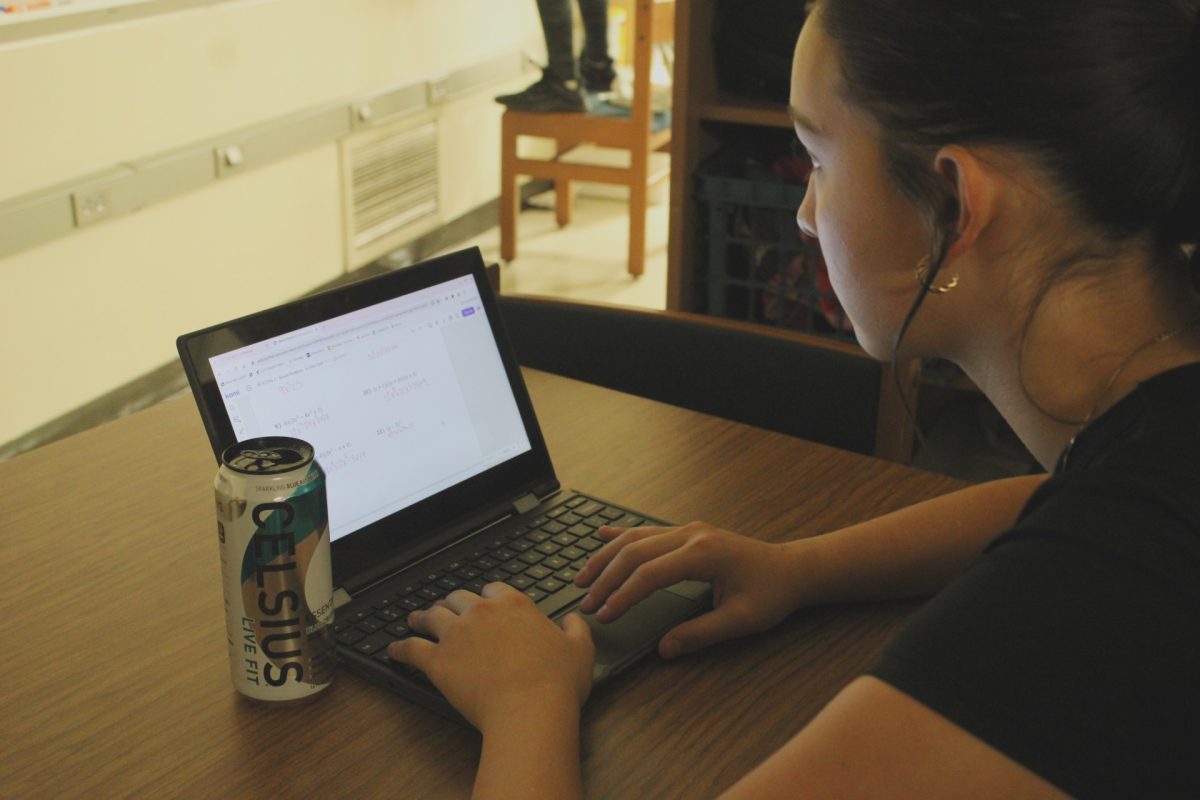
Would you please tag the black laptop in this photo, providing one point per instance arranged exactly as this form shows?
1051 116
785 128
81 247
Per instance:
438 477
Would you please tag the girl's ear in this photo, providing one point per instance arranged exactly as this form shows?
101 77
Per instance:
973 188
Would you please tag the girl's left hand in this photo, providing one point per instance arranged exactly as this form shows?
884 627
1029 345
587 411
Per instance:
497 654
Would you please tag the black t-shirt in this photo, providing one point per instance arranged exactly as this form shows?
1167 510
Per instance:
1072 644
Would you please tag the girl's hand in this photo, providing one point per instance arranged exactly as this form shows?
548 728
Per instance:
754 584
497 655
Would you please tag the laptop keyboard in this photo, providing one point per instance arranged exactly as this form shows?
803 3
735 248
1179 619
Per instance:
539 558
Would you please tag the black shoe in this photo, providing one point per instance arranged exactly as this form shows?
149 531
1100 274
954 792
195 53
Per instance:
546 96
598 76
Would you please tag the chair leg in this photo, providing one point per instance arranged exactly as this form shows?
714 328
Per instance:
637 229
563 202
510 197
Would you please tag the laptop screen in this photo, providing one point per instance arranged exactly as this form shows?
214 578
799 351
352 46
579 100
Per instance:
407 387
400 399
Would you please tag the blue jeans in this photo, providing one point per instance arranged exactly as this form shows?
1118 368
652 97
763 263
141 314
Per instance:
557 27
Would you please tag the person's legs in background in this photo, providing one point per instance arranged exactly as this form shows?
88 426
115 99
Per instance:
557 28
595 64
560 88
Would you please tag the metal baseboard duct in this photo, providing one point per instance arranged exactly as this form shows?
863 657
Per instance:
390 186
57 211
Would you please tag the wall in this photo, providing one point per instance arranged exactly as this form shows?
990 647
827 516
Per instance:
83 314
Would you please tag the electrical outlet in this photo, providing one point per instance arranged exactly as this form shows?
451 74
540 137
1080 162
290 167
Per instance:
91 206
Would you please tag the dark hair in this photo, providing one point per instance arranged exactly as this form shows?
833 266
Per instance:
1103 95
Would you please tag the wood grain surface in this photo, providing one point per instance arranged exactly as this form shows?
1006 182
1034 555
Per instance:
117 681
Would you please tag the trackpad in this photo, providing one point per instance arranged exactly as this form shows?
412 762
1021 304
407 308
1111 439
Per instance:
637 632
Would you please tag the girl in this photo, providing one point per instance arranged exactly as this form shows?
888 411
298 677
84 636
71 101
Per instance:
1014 186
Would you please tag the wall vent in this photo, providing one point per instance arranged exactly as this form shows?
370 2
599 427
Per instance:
390 178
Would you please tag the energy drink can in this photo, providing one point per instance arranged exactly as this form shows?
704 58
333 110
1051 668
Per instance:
273 524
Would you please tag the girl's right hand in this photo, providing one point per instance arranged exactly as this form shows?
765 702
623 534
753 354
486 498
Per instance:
755 584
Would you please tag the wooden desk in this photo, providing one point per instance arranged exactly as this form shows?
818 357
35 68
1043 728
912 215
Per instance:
116 681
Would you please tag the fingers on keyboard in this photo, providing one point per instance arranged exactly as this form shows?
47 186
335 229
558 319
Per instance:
539 558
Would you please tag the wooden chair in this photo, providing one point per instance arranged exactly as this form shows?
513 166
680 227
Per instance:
654 22
786 381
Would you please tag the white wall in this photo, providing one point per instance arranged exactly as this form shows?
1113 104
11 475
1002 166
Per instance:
86 313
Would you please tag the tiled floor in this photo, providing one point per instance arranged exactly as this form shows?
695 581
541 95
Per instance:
585 260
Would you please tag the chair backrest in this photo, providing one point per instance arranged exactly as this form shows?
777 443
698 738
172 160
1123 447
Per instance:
783 381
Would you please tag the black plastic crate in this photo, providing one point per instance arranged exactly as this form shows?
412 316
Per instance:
757 266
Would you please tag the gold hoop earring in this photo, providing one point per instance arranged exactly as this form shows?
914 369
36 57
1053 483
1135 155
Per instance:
923 265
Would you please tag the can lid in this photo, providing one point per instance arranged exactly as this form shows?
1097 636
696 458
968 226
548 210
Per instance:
267 455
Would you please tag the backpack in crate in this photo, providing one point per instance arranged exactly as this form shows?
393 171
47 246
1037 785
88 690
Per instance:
799 294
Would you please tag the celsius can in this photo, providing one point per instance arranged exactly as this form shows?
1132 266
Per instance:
273 524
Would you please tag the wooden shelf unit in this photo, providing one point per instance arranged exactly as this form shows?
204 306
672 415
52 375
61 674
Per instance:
698 101
725 108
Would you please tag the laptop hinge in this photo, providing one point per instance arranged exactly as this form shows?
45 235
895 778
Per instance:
526 502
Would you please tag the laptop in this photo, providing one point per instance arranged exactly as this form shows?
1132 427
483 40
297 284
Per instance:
437 474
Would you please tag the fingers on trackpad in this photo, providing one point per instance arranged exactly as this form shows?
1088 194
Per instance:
637 632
